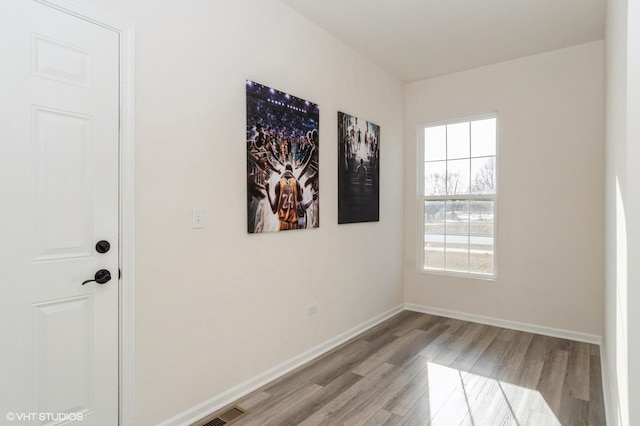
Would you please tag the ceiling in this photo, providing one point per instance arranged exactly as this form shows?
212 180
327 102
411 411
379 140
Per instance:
418 39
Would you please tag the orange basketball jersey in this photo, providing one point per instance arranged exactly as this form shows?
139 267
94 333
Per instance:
288 202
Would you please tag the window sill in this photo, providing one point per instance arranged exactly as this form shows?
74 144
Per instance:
478 277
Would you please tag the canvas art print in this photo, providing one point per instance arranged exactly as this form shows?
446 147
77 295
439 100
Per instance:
358 170
282 161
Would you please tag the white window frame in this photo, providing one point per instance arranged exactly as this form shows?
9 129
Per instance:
421 198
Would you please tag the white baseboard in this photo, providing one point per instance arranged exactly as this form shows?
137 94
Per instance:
216 403
514 325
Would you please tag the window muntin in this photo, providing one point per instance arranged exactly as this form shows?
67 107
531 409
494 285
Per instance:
459 197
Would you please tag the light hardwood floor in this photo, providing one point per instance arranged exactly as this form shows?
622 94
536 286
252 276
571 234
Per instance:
418 369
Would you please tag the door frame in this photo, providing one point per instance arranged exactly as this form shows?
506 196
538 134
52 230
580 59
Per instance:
126 174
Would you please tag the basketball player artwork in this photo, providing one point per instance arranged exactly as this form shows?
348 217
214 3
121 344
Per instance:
282 161
358 170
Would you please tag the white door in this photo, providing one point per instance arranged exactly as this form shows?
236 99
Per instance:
59 196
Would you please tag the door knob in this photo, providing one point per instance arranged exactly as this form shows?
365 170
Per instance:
102 276
103 246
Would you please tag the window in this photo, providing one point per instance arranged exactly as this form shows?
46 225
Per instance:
458 197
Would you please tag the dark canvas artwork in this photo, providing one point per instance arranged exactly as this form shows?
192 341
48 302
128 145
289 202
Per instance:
282 161
358 170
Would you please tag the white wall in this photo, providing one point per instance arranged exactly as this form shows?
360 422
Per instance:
216 307
622 300
550 178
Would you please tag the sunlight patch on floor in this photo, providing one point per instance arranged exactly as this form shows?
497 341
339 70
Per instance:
460 397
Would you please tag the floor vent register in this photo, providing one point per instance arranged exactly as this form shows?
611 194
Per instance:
221 419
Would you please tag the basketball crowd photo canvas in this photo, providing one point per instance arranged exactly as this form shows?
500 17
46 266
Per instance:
358 170
282 161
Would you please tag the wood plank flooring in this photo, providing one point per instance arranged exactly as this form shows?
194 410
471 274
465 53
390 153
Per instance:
418 369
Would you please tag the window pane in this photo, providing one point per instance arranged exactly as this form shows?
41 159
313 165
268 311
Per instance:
481 218
435 143
457 240
458 177
434 214
483 137
481 261
435 178
481 237
457 217
483 175
434 217
434 252
458 141
457 256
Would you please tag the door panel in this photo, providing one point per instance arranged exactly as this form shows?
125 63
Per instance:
58 61
59 129
63 331
64 208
